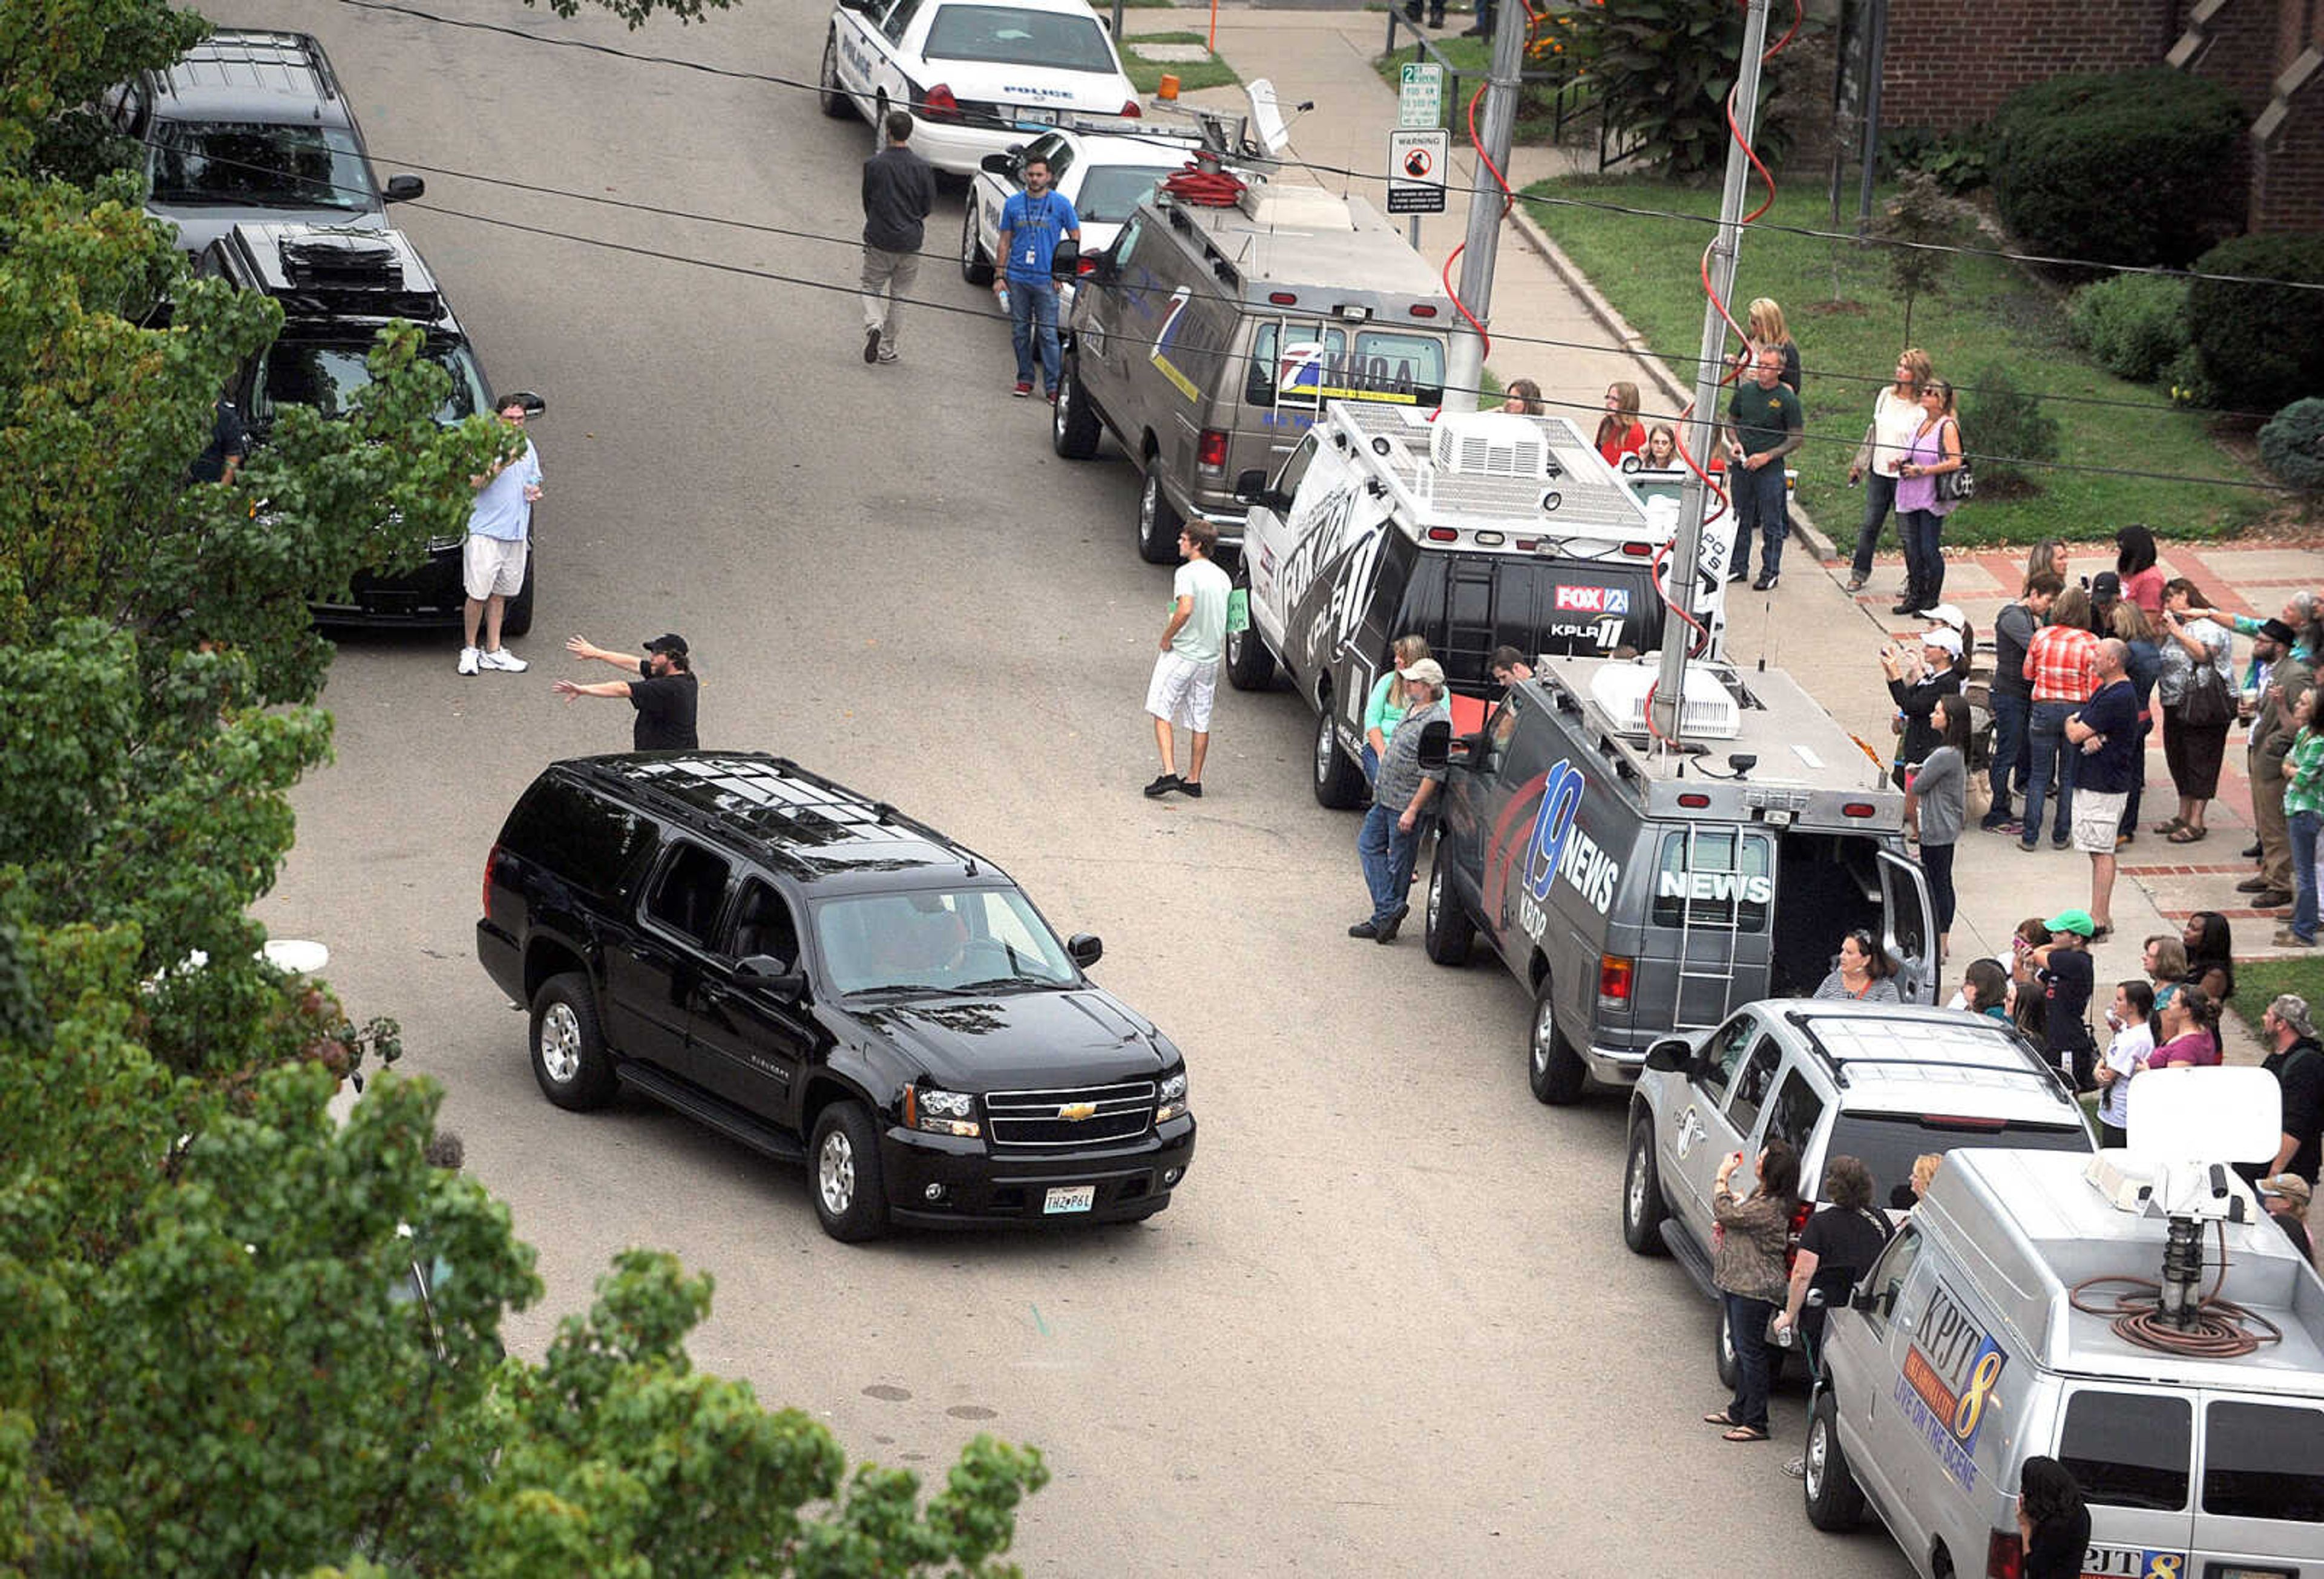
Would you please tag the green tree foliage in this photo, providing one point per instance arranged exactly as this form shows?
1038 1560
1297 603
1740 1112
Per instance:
2004 426
210 1357
2134 324
2258 345
2293 446
1923 215
1663 68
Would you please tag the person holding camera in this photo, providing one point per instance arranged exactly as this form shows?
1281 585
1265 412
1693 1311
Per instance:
1746 1265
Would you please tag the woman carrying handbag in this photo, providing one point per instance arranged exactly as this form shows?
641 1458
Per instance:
1923 498
2197 689
1895 418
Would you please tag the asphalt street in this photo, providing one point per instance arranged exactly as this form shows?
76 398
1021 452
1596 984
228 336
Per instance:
1389 1325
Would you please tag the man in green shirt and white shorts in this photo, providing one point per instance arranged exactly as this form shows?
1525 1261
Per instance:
1186 674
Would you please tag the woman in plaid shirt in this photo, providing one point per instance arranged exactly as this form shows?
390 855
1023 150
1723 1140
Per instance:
2303 807
2058 661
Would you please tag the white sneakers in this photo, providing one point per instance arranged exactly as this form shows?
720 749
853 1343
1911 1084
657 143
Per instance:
500 657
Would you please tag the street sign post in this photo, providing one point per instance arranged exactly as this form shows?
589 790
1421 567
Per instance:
1420 94
1417 164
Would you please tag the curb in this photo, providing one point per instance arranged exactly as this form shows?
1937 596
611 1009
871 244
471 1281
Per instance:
1803 526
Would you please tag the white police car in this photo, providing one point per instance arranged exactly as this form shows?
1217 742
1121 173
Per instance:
973 73
1102 175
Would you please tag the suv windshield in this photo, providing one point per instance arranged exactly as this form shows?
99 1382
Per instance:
1110 193
330 376
938 941
260 164
1002 35
1887 1143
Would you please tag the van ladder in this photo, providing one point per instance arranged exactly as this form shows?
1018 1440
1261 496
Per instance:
1721 971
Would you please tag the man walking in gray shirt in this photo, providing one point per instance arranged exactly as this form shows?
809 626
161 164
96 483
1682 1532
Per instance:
899 190
1410 774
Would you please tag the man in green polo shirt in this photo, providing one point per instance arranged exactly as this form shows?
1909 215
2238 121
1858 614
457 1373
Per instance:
1763 425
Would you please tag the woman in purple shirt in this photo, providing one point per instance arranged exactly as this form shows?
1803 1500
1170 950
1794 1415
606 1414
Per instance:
1935 449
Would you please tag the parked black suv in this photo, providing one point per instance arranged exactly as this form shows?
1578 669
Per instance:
337 289
821 977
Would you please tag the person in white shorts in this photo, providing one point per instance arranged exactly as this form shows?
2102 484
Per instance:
2106 732
1186 674
492 560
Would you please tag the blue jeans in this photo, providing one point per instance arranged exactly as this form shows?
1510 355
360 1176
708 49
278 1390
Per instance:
2010 716
2054 759
1879 499
1746 1325
1388 853
2304 827
1924 561
1760 505
1033 313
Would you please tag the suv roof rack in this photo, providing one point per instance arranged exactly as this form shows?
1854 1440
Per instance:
265 48
1838 1060
316 270
773 797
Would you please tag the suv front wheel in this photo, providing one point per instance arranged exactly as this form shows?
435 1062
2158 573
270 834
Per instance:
1643 1209
1450 928
1834 1500
843 1161
569 1051
1072 424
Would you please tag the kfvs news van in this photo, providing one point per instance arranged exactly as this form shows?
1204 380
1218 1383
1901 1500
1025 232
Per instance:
1642 894
1474 531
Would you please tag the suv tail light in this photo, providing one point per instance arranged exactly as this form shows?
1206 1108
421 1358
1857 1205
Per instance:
1211 451
2005 1556
938 104
1131 110
1614 971
491 863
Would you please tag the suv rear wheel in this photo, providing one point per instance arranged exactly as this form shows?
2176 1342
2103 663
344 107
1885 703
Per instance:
1339 778
1072 424
1642 1208
974 266
569 1051
843 1163
1835 1502
836 104
1450 929
1157 520
1553 1068
1250 667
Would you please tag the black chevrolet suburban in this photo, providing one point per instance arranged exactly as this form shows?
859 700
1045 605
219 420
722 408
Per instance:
827 980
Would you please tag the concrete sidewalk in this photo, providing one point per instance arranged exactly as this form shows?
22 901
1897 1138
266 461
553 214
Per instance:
1809 623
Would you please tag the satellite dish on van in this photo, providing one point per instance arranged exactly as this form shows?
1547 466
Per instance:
1266 117
2206 1115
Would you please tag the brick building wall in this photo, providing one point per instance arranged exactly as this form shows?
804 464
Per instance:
1950 63
2287 189
2240 55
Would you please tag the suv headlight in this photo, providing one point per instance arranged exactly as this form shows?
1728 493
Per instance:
1171 1102
941 1111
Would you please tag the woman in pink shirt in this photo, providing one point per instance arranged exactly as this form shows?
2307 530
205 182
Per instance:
2133 562
2188 1041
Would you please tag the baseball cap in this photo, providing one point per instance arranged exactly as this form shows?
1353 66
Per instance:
2072 921
1948 614
2105 584
1427 672
672 643
1949 640
2290 1186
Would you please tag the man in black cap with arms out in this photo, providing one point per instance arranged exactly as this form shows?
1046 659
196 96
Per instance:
664 693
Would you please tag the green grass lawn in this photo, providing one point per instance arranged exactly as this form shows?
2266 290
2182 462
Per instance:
2258 983
1192 76
1989 313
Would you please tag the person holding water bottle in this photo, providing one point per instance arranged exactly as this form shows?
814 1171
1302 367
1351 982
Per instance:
1032 222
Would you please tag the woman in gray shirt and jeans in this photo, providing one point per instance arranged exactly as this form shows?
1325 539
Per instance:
1940 800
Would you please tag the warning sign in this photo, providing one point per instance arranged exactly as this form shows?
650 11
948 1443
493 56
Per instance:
1416 162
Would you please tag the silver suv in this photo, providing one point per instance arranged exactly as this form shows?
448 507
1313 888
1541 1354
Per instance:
252 126
1875 1082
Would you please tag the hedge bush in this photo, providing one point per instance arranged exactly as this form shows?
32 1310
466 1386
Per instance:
2260 346
2128 167
2002 426
2292 446
2133 325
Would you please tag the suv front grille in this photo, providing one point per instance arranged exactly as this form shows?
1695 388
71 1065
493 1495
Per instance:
1039 1120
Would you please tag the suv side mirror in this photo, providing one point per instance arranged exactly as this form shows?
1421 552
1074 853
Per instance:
1251 486
1086 948
1003 165
1671 1055
402 189
1471 748
766 972
1101 269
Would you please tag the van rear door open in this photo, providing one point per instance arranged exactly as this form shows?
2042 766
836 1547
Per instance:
1910 927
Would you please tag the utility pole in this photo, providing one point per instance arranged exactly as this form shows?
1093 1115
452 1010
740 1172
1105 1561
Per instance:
1502 79
1686 553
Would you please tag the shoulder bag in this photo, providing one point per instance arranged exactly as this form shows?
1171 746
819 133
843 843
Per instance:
1960 486
2207 703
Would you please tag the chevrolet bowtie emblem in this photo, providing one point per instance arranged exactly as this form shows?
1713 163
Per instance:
1073 1113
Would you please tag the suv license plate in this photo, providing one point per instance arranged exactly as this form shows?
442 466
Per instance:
1070 1198
1032 115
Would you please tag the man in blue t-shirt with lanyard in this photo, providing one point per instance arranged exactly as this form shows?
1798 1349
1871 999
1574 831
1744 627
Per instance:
1031 223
